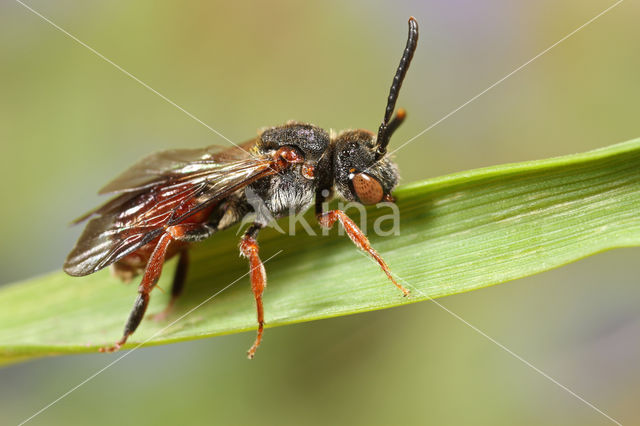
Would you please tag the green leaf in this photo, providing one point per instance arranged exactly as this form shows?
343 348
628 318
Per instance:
457 233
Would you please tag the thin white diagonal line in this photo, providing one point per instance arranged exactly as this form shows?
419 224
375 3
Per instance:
500 345
64 395
506 76
127 73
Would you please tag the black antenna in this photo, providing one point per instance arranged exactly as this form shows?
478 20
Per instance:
388 127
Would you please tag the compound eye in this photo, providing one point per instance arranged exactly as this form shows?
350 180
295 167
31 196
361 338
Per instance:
368 189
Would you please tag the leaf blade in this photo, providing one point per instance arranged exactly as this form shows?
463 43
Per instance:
458 233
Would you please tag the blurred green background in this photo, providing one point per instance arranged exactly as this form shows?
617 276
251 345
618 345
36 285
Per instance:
70 121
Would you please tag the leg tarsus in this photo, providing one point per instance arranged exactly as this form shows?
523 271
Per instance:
116 346
249 249
359 239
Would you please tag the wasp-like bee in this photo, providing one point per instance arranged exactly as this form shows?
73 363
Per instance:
173 198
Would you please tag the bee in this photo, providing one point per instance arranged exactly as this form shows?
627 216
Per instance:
171 199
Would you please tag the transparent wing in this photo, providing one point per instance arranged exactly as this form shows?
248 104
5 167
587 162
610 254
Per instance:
164 165
138 216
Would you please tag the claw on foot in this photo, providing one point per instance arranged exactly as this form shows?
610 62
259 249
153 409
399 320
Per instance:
252 351
109 349
116 346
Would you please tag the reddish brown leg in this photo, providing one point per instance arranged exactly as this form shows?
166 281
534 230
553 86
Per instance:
176 288
359 239
149 280
249 249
